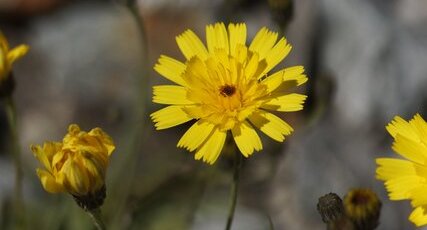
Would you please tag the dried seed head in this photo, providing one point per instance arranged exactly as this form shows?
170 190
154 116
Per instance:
330 207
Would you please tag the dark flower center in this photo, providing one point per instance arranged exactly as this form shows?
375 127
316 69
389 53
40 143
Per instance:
360 199
227 90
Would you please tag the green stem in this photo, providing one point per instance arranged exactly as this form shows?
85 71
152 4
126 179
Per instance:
270 223
95 214
129 166
18 204
234 188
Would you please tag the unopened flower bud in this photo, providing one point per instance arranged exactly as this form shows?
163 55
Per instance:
76 165
362 207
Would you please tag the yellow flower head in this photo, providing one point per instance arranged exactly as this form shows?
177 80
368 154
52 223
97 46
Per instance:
8 57
76 165
362 207
225 87
407 178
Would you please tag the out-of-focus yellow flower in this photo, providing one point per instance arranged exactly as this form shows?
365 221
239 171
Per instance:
226 87
407 178
362 207
76 165
8 57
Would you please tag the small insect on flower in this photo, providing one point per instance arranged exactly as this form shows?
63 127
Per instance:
76 165
407 178
227 87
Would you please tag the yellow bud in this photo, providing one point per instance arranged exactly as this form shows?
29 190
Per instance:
76 165
362 207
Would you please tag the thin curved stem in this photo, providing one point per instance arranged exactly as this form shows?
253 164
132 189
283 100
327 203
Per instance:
137 136
234 188
95 214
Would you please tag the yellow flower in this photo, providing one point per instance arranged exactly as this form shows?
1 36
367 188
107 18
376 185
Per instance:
226 87
407 178
8 57
362 207
76 165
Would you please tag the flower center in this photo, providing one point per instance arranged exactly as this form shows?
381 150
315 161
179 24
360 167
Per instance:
227 90
360 199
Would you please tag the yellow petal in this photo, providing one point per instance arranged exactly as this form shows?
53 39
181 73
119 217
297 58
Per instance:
237 34
212 147
285 79
410 149
295 73
217 37
41 156
4 45
421 126
4 68
400 188
246 138
271 125
171 69
76 179
402 127
74 129
191 45
17 53
95 171
48 182
286 103
195 76
171 94
389 168
170 116
419 196
419 216
241 54
196 135
401 177
104 138
277 54
273 81
263 41
252 66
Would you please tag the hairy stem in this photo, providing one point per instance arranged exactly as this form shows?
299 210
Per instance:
95 214
234 188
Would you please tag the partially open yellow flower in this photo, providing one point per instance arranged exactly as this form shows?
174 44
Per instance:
76 165
8 57
226 87
407 178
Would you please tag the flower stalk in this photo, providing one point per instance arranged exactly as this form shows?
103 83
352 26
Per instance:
95 214
16 155
234 187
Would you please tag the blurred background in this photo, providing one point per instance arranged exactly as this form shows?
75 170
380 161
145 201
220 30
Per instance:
91 63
